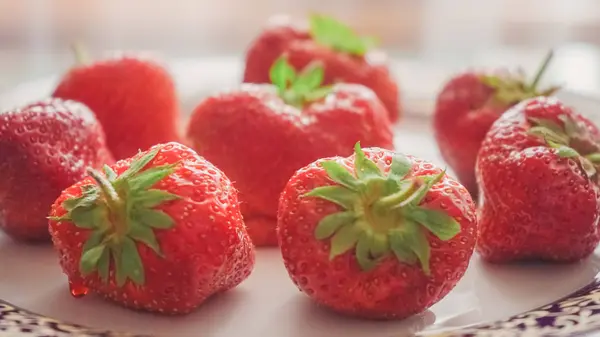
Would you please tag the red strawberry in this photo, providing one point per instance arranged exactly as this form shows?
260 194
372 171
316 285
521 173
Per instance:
466 108
44 147
539 185
133 98
162 231
259 135
346 56
377 235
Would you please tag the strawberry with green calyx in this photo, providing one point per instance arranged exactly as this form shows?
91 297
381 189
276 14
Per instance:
259 135
345 55
140 233
119 212
469 104
377 215
537 172
381 214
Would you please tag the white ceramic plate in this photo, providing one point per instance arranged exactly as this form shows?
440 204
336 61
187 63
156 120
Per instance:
268 304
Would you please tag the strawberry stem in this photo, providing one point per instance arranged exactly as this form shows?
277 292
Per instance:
541 70
80 53
113 201
398 197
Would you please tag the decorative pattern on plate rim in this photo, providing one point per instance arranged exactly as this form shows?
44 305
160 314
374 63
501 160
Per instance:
573 315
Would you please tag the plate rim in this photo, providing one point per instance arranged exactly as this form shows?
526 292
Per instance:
576 313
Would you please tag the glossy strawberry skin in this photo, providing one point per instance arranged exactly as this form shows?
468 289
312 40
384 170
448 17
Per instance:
295 42
134 99
208 251
534 204
45 147
464 112
259 141
392 290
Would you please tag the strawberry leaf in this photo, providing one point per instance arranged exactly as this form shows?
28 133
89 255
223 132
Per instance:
339 174
110 173
138 164
318 94
298 89
343 240
379 245
90 259
93 240
152 198
338 36
400 248
144 234
426 182
546 123
131 262
594 157
364 167
510 89
154 218
149 177
332 222
572 128
439 223
572 140
336 194
310 79
282 74
564 151
120 273
89 195
411 238
363 252
104 265
587 167
89 218
400 167
548 135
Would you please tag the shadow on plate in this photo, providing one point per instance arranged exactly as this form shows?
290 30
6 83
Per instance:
92 311
537 282
309 319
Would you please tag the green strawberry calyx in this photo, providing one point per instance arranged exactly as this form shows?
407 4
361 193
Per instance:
382 215
571 140
119 210
336 35
512 89
297 89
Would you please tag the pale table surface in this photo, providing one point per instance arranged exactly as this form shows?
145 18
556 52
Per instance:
446 34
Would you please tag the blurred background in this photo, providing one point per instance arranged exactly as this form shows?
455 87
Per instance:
431 37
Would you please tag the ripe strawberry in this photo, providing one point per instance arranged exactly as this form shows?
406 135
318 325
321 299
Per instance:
259 135
44 147
162 231
134 99
466 108
346 56
377 235
539 185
